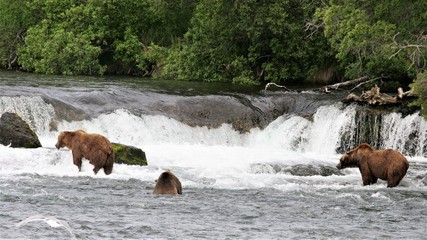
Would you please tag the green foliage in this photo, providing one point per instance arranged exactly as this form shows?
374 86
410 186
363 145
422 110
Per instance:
59 43
419 88
374 37
204 55
241 41
96 36
15 18
59 51
133 53
247 42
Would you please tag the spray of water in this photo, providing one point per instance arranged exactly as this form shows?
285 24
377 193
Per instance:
405 134
220 157
33 110
322 133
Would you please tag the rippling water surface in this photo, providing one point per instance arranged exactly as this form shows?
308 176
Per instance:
98 208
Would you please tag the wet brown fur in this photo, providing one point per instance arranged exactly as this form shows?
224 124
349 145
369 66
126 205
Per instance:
167 183
94 147
389 165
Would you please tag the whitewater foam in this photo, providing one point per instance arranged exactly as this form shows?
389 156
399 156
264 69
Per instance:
33 110
204 157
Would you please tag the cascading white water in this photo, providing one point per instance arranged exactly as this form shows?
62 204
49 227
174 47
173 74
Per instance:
288 132
321 135
284 173
220 157
123 126
329 123
405 134
33 110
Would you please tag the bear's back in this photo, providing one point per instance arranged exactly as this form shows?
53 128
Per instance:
382 161
93 139
167 183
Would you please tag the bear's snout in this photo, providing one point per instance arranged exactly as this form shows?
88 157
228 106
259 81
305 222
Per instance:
57 145
343 158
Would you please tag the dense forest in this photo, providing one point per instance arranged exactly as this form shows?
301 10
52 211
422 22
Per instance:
239 41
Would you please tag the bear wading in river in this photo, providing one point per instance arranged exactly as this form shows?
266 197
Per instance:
94 147
167 183
388 164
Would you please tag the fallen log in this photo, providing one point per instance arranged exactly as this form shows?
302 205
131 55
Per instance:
374 97
276 85
344 84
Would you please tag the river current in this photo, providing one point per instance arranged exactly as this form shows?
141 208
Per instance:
276 182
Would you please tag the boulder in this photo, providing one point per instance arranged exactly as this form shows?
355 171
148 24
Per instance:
129 155
16 132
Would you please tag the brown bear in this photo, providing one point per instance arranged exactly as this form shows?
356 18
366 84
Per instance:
94 147
167 183
388 164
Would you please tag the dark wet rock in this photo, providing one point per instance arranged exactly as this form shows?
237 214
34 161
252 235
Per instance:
243 112
423 181
129 155
296 170
312 170
65 111
266 168
16 132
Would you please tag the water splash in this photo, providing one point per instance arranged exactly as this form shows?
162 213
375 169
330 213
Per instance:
329 124
127 128
52 221
321 135
332 128
405 134
33 110
286 132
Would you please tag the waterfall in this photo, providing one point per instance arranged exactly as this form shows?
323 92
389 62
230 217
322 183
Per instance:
338 129
331 129
329 124
407 134
34 110
383 129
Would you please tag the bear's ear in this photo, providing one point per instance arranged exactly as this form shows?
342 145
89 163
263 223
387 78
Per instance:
66 136
69 134
351 152
61 135
365 146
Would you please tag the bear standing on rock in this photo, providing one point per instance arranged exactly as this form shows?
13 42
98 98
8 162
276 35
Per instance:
167 183
388 164
94 147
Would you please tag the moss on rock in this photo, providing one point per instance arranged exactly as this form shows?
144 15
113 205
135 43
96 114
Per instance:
129 155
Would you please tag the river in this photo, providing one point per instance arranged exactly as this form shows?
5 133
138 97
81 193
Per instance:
277 180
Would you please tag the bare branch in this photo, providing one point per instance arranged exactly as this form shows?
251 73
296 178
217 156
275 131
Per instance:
414 55
363 83
276 85
344 84
313 28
